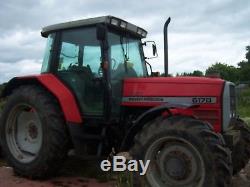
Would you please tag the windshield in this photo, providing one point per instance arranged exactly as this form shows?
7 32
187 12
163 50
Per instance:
47 54
126 57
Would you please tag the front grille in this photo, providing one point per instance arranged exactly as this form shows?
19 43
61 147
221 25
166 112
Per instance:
232 99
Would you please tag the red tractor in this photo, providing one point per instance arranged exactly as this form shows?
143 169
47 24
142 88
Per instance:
95 94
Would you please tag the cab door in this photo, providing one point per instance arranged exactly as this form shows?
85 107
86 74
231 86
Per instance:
79 67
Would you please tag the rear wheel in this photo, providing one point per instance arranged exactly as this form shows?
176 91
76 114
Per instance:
33 133
183 152
241 150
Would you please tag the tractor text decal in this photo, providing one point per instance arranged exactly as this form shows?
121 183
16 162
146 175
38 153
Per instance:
186 100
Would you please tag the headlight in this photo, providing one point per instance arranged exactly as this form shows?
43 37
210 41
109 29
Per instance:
139 31
123 24
114 22
144 33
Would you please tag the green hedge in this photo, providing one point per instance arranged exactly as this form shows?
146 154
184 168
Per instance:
1 106
244 103
1 101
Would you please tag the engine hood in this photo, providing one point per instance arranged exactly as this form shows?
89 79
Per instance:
157 90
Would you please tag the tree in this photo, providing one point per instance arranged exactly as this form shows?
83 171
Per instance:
198 73
195 73
2 87
248 54
225 71
244 70
244 67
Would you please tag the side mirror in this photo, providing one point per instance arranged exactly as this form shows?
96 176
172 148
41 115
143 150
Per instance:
154 50
101 32
150 50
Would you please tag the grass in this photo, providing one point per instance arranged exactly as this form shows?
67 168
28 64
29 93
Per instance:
247 120
124 179
244 103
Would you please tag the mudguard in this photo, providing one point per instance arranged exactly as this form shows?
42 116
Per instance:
53 85
168 109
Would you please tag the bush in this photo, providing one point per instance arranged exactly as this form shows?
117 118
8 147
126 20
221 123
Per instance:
244 103
1 101
1 105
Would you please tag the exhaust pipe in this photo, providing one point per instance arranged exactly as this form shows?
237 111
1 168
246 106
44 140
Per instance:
166 46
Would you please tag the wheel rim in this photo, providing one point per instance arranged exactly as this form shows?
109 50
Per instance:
24 133
174 162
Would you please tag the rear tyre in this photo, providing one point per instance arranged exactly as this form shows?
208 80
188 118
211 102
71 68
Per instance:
241 150
184 152
33 133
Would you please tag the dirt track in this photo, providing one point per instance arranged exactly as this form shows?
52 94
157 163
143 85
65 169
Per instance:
243 178
74 173
7 179
72 179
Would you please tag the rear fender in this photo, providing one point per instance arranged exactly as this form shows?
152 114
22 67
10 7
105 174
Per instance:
163 110
54 86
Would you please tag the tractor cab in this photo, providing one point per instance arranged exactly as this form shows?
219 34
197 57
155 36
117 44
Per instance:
92 57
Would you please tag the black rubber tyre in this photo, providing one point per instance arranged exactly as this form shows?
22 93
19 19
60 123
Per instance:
199 156
49 130
241 151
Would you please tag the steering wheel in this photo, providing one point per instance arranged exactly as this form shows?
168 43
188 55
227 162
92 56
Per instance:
73 66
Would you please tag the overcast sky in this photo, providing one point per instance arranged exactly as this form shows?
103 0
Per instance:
201 33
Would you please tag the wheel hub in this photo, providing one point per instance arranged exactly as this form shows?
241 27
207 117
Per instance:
32 131
176 167
175 163
24 133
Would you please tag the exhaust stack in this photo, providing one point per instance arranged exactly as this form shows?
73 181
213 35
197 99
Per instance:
166 46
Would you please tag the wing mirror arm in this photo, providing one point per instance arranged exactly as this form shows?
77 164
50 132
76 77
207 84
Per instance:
154 49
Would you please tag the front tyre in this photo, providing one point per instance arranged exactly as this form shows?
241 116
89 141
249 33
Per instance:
241 150
33 133
184 152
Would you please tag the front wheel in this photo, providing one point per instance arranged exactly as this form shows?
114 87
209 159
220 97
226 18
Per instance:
183 152
241 150
33 133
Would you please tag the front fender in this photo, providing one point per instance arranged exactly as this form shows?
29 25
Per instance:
168 109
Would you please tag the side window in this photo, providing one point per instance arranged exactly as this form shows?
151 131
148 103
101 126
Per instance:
47 53
68 56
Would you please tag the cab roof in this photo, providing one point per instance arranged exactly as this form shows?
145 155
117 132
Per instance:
112 21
